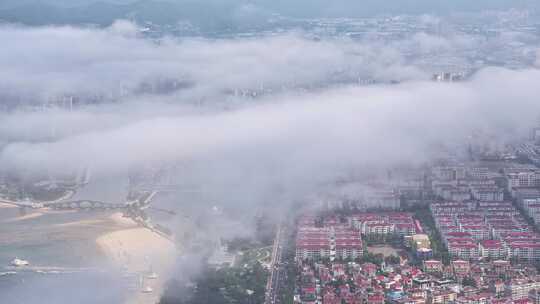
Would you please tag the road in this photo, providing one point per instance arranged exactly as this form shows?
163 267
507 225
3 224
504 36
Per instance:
276 269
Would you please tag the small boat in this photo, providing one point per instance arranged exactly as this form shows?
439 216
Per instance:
19 263
152 275
147 289
144 289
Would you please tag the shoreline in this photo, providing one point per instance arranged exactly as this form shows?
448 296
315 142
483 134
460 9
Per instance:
138 251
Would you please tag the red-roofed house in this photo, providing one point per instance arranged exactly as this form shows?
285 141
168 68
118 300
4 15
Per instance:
433 266
493 249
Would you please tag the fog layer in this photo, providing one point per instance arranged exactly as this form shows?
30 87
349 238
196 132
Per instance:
311 123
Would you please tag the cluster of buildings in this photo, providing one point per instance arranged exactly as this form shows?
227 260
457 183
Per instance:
477 210
485 217
448 77
461 282
384 223
478 229
338 283
491 244
328 240
531 207
363 198
497 281
341 237
460 183
523 184
484 282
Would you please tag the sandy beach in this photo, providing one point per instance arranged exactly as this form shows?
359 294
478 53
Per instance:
138 250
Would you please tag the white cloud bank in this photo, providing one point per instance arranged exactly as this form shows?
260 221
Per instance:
47 61
285 138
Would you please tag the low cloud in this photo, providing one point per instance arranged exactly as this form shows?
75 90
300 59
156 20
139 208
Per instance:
295 136
285 138
43 63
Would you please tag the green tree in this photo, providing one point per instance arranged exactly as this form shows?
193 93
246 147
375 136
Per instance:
468 281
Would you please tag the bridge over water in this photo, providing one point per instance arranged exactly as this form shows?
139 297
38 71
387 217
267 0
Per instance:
84 205
141 202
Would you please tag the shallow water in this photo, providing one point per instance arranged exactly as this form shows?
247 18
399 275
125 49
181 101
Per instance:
55 240
45 244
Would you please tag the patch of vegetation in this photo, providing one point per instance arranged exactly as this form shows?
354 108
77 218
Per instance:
393 260
369 257
265 230
440 251
468 281
252 256
380 239
222 286
241 244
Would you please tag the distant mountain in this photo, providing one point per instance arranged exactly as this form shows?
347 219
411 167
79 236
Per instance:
208 14
5 4
35 12
354 8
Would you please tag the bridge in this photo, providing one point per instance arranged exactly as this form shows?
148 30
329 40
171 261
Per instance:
166 188
142 202
83 205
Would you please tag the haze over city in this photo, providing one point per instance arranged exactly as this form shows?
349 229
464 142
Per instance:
220 151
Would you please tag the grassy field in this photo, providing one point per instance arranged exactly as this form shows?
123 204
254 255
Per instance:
250 257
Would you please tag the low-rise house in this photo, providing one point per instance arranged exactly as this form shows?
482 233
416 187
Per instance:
431 266
492 249
519 288
461 267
